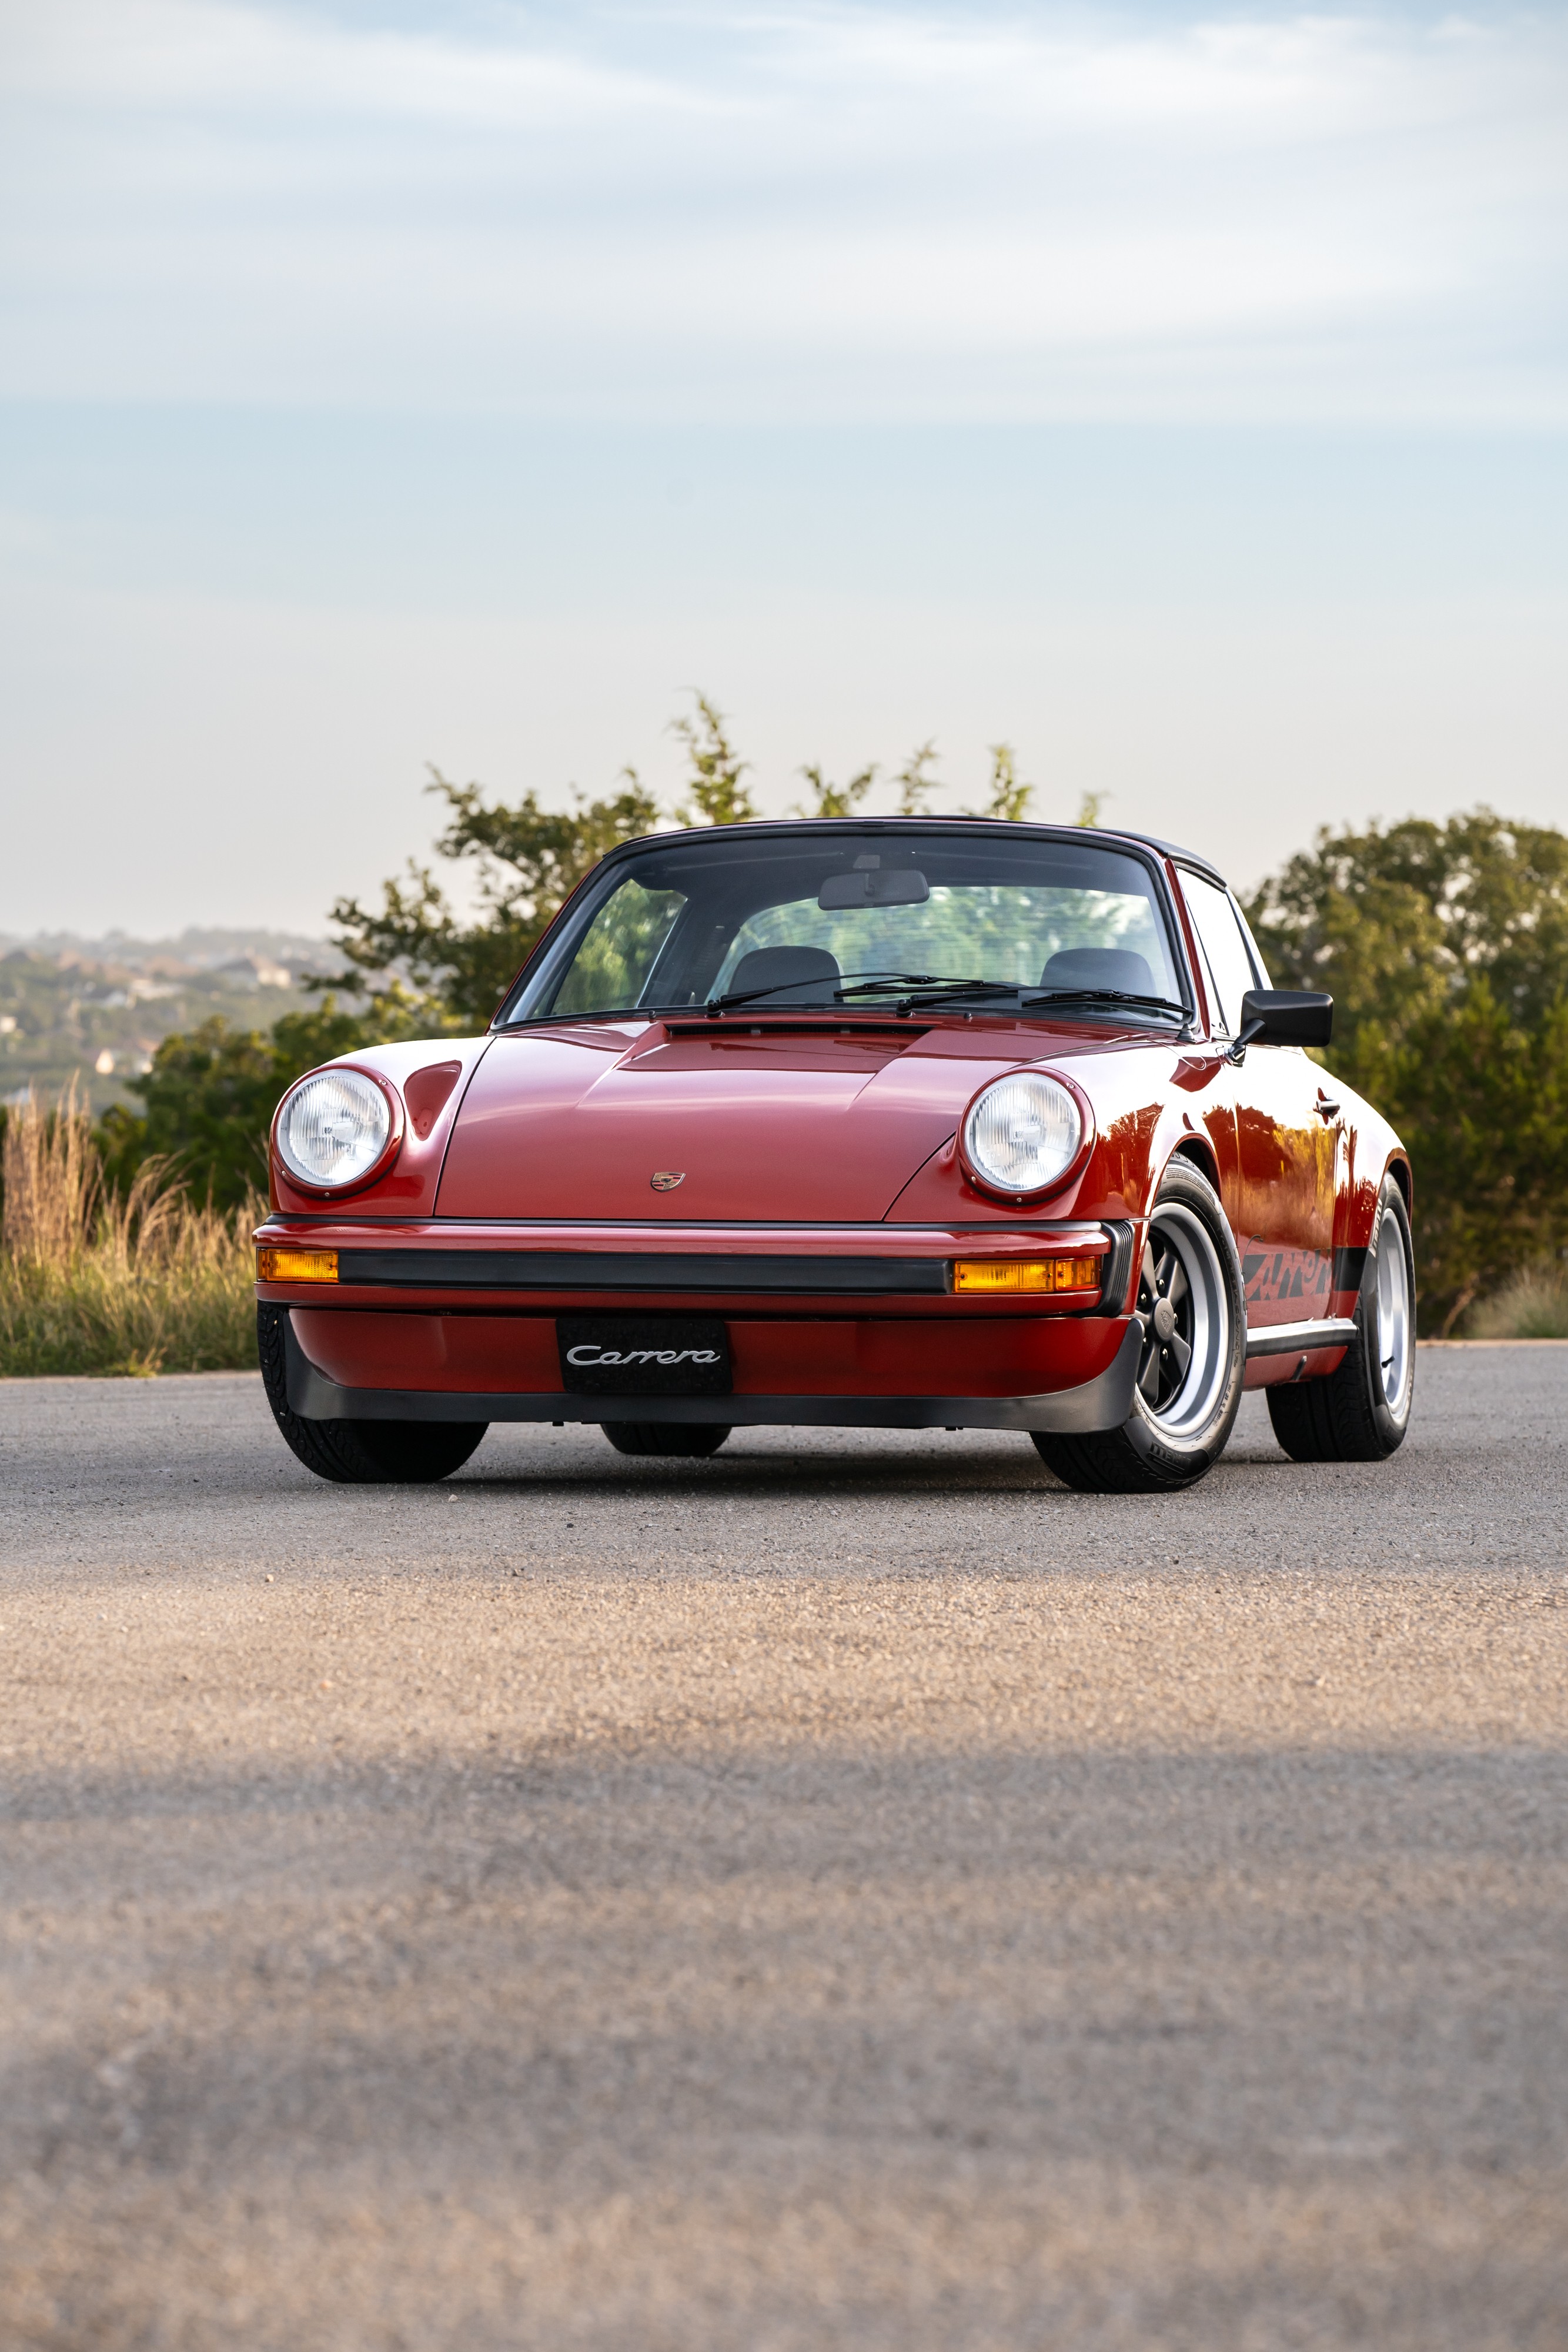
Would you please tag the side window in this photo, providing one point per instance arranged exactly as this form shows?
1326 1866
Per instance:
1260 967
617 952
1218 928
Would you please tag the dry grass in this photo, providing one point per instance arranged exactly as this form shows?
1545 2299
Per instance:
1533 1306
92 1282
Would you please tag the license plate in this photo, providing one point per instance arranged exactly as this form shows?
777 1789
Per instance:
644 1355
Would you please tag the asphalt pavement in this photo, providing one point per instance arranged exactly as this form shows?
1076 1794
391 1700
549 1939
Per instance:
849 1892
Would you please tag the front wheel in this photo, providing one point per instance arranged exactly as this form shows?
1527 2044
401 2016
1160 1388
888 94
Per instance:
359 1453
1361 1412
1194 1319
682 1437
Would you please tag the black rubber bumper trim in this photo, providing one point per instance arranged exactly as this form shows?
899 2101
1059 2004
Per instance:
1103 1402
623 1270
1118 1274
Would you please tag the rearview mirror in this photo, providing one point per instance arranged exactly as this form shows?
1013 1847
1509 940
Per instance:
895 886
1286 1016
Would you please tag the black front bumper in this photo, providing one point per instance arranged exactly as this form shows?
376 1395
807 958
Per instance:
1103 1402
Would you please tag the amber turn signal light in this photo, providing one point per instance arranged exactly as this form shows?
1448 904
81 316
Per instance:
274 1263
1014 1274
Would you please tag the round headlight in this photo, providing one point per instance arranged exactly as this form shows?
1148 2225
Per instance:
1022 1133
333 1128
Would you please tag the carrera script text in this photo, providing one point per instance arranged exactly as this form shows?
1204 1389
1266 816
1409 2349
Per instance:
642 1356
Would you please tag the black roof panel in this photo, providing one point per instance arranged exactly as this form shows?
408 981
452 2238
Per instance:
932 818
1172 849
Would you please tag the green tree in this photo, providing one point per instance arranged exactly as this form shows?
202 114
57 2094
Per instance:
1009 798
915 780
1445 949
717 794
1482 1101
837 800
450 973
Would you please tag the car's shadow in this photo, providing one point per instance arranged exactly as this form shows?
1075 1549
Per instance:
774 1473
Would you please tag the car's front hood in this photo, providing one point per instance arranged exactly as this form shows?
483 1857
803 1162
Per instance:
787 1125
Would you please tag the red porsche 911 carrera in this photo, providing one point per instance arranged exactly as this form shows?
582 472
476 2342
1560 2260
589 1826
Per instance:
895 1123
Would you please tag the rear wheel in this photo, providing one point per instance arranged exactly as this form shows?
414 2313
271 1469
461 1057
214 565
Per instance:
1361 1412
682 1437
361 1453
1194 1321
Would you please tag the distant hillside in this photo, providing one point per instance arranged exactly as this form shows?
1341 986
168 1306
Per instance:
95 1009
197 949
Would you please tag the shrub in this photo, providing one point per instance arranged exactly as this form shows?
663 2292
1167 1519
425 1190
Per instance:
1533 1306
92 1280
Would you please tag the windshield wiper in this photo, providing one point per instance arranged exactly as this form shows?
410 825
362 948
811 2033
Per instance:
927 988
872 984
915 988
717 1005
1104 996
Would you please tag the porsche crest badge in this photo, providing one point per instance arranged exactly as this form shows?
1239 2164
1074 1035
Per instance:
667 1179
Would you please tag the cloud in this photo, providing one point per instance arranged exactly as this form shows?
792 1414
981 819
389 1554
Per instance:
825 212
154 55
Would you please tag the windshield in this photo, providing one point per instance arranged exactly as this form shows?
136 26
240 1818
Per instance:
819 918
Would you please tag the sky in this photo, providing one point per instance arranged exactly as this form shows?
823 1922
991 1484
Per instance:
1180 395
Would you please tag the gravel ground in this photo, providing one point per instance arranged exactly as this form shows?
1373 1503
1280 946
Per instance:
851 1892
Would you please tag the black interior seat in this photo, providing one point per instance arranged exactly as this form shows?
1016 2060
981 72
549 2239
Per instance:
782 968
1100 968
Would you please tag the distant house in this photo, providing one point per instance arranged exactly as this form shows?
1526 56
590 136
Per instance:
254 971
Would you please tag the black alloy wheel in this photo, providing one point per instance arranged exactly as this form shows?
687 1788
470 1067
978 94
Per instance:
1164 1308
1191 1358
1361 1412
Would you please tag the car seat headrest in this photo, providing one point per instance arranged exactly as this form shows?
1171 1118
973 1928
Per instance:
1100 968
782 969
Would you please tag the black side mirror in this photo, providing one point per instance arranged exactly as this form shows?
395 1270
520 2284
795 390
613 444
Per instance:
1284 1017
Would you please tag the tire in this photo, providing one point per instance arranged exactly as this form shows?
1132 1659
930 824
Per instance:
683 1437
361 1453
1361 1412
1185 1403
